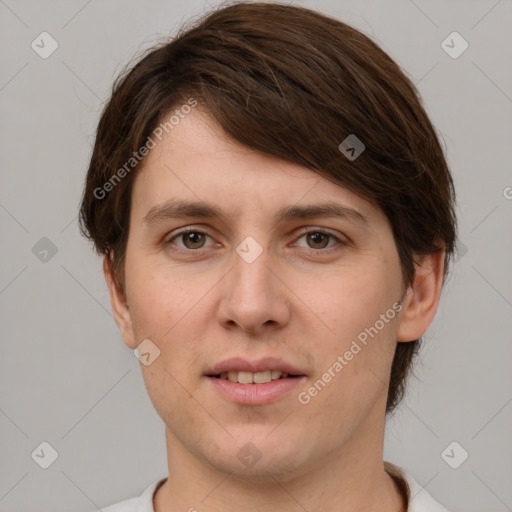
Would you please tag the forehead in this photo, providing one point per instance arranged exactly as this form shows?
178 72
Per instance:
197 162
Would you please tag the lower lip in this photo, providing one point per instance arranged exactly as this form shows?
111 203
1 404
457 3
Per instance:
255 394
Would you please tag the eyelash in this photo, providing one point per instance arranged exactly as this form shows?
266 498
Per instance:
309 231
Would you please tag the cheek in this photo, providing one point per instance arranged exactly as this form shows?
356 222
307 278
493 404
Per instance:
157 302
164 310
169 392
347 303
359 325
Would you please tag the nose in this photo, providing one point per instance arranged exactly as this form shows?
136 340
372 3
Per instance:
254 294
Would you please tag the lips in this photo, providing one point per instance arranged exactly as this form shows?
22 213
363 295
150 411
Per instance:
247 383
234 367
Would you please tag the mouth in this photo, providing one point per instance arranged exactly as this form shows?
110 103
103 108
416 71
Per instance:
259 371
263 377
257 382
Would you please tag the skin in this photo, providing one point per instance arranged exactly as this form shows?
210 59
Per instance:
295 301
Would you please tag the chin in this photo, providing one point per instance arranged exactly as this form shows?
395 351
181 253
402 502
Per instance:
263 471
258 457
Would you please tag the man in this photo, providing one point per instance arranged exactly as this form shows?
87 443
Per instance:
276 217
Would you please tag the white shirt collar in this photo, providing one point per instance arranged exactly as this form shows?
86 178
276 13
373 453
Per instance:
421 500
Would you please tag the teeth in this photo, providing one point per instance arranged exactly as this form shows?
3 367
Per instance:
245 377
233 376
262 377
253 378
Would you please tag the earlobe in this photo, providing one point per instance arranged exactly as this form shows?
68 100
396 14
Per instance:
422 298
119 304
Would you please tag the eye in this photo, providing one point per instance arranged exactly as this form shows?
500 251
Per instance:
318 240
191 238
194 239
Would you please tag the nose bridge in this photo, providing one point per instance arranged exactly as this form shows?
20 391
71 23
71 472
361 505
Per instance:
252 294
251 275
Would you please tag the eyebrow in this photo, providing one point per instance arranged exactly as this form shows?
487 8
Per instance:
178 209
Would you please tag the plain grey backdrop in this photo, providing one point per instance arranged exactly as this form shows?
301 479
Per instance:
66 377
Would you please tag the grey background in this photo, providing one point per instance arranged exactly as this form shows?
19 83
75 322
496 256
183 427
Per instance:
65 375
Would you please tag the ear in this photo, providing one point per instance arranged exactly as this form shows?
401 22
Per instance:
120 309
422 297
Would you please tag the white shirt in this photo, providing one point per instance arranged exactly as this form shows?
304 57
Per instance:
421 500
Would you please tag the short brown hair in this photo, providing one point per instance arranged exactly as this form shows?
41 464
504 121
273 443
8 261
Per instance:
291 83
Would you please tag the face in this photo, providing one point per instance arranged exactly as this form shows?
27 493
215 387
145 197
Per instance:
267 287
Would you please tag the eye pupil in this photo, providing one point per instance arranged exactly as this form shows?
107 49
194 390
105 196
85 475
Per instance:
189 237
316 235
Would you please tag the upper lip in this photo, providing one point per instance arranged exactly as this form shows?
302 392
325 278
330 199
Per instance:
256 365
